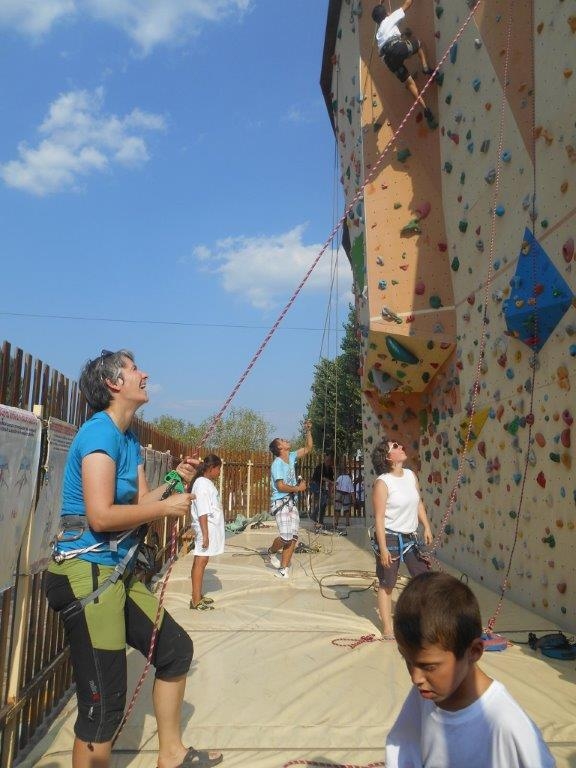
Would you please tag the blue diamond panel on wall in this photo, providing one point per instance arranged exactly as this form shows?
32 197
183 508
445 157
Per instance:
540 297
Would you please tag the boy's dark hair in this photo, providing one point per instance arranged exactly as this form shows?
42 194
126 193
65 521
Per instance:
274 449
437 609
379 14
380 458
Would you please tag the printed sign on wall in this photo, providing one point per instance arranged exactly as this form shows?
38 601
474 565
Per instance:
20 433
47 515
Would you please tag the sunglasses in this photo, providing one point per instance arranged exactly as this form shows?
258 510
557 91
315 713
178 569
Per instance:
103 355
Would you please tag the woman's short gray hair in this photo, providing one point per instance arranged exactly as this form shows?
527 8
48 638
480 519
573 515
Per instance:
107 366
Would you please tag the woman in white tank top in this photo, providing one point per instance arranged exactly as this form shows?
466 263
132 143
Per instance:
398 509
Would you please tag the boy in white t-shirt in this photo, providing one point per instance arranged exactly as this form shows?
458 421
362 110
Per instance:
344 497
395 48
455 716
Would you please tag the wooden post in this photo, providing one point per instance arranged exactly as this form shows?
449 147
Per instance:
248 488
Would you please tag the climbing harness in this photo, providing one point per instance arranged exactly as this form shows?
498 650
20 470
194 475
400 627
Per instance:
405 542
290 499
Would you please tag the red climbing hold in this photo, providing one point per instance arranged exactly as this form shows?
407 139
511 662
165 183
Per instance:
423 210
568 250
541 479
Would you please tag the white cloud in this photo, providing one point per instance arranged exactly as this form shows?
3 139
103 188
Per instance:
34 17
298 115
79 139
147 22
266 269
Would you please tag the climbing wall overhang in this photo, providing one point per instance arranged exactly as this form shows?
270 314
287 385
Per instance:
400 361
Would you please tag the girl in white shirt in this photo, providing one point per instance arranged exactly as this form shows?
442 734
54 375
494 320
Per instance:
208 526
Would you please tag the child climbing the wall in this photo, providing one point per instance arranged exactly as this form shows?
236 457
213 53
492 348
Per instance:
395 48
455 715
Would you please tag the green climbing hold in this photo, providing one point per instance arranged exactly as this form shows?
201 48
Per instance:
412 228
462 225
403 154
455 265
435 302
399 352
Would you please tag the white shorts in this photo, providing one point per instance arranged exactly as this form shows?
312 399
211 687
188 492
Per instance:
287 519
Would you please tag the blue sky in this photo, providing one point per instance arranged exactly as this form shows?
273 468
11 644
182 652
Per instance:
167 177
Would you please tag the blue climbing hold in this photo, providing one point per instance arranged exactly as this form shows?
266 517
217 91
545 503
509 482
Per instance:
399 352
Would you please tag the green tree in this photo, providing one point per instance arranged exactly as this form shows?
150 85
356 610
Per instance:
335 409
241 429
179 429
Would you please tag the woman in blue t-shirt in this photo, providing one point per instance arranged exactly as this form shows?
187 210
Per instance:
105 500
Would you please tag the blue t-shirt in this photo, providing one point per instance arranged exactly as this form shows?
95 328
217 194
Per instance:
282 470
100 434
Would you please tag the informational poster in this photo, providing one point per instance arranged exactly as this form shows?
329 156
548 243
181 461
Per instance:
20 433
47 514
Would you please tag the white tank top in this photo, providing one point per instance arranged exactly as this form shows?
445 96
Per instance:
402 503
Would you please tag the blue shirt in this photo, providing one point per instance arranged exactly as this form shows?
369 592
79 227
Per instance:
282 470
100 435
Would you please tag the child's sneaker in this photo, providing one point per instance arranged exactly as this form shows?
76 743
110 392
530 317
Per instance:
282 573
274 560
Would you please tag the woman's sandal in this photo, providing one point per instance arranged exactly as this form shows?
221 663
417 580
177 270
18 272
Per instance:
207 600
201 606
199 758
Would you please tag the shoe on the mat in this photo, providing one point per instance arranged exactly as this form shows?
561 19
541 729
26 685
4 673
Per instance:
275 561
201 606
207 600
283 573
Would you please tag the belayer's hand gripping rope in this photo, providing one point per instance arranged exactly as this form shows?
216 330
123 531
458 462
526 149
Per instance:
175 484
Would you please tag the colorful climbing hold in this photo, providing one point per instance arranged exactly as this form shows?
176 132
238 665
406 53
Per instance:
400 352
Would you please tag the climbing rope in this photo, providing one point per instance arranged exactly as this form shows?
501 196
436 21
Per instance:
533 364
331 765
355 200
471 408
153 638
212 426
352 642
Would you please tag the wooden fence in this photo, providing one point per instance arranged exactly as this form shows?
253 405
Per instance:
35 670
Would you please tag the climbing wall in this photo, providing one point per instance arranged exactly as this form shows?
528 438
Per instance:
466 309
